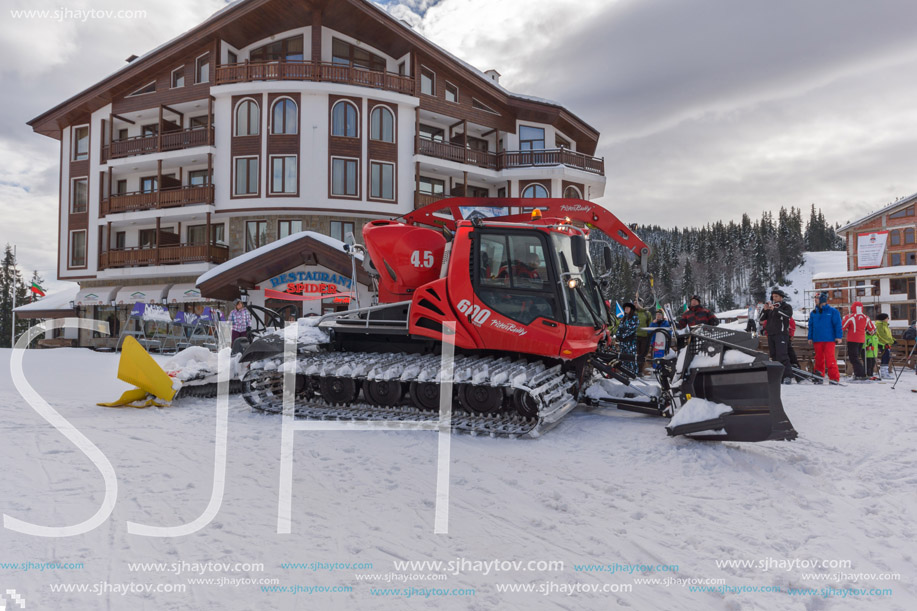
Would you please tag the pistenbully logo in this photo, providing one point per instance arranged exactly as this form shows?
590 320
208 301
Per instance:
13 597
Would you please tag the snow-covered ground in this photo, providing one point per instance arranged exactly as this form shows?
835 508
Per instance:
605 487
800 279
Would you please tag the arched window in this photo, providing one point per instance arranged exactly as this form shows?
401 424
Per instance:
283 117
572 193
248 118
382 124
535 190
344 120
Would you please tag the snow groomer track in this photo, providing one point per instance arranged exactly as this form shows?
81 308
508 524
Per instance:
499 397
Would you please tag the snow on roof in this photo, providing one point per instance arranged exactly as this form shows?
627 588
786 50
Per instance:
244 258
905 200
862 273
59 300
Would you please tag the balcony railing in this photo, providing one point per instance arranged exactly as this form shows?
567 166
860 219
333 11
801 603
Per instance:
170 141
156 200
510 159
425 199
308 71
164 255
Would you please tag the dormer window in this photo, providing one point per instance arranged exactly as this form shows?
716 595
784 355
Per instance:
178 77
148 88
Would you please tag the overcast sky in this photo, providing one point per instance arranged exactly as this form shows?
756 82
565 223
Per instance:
706 108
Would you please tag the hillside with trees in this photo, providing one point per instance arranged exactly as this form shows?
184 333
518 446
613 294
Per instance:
725 263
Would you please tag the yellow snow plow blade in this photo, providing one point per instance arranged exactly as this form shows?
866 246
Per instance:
137 367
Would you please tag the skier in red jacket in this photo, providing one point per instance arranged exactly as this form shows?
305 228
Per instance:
856 324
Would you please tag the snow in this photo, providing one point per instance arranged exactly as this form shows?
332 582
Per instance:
199 364
815 264
609 389
58 300
248 256
605 486
737 357
698 410
307 331
155 313
875 271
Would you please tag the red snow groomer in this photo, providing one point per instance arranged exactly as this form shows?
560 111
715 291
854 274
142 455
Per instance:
531 330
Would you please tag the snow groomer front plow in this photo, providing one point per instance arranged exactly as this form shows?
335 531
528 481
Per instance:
717 387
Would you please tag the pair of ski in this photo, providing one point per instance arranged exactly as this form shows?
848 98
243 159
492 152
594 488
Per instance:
808 375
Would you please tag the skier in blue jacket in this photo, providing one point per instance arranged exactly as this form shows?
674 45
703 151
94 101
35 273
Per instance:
825 331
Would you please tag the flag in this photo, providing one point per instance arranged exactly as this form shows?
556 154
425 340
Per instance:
684 307
35 288
619 311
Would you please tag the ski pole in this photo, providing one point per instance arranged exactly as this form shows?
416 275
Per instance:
905 364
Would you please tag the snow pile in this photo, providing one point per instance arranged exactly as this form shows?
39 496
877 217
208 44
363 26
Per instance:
800 279
737 357
307 332
609 389
705 360
199 363
155 313
698 410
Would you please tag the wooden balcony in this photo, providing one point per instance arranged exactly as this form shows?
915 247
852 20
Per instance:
510 159
157 200
309 71
164 255
425 199
170 141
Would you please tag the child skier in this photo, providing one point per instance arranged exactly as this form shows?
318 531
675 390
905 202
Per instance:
872 350
660 340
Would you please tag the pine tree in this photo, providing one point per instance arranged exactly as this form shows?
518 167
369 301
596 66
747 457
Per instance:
11 286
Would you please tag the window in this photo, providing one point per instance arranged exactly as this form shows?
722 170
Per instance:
341 229
382 124
288 49
232 57
345 54
198 122
197 178
344 177
78 248
178 77
121 187
427 81
894 237
531 138
432 186
122 134
148 88
476 144
382 180
896 259
910 258
861 292
561 142
573 193
150 130
246 176
479 105
535 190
897 286
344 120
120 240
283 174
287 228
451 92
283 118
402 69
875 288
900 214
197 234
202 69
428 132
255 235
79 195
248 118
147 238
80 143
904 311
909 235
148 184
512 276
472 191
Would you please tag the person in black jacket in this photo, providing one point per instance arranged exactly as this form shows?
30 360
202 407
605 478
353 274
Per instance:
697 314
776 317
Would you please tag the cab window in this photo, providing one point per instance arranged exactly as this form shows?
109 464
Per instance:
513 276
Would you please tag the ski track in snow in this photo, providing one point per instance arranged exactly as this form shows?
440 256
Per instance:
605 486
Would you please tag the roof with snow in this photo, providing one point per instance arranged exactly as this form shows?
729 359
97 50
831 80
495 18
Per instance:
898 270
54 305
227 280
910 199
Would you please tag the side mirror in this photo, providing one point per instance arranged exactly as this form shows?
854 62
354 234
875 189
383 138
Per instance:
578 248
606 257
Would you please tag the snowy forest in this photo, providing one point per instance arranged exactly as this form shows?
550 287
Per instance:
726 264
